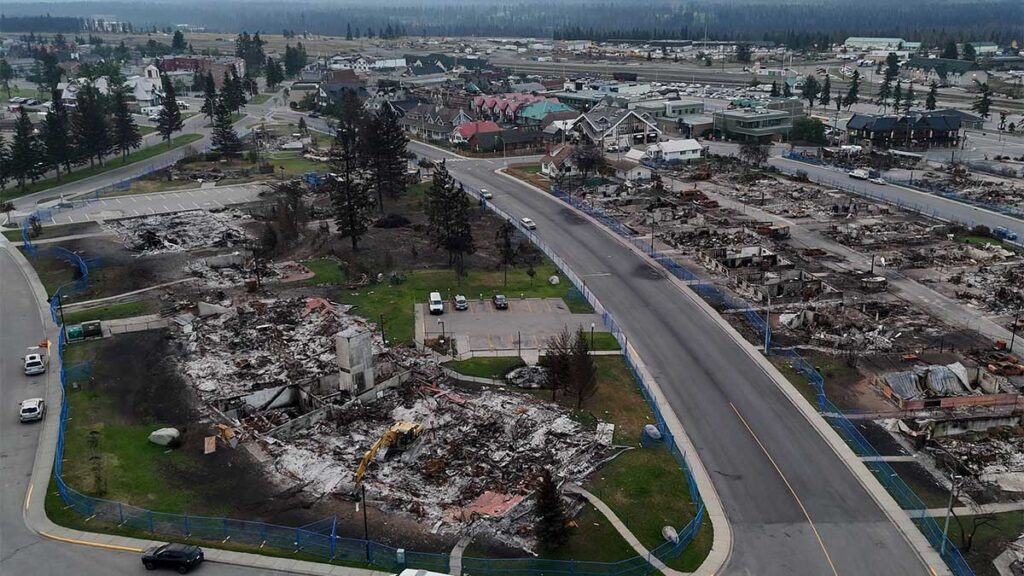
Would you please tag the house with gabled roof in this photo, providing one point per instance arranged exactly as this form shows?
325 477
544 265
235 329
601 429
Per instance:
944 72
921 130
533 115
559 162
433 122
464 132
608 127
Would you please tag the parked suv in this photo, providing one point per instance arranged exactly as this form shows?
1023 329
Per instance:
460 302
500 302
436 305
181 557
34 364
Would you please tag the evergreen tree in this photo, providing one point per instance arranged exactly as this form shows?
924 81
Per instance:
126 134
852 93
584 373
909 99
884 93
950 51
224 139
897 96
209 107
6 75
353 204
743 53
274 73
448 218
504 238
826 92
169 118
348 31
178 42
550 529
983 102
57 134
775 90
810 90
5 171
26 151
892 65
930 99
386 155
969 52
236 91
89 130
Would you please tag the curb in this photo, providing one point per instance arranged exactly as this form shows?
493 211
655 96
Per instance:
721 545
914 537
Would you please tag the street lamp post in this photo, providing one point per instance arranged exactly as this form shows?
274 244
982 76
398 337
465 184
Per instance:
441 322
1013 331
955 480
591 336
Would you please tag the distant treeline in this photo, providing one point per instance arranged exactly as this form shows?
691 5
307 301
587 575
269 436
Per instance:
799 23
44 23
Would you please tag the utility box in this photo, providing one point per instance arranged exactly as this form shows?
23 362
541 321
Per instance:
355 359
92 329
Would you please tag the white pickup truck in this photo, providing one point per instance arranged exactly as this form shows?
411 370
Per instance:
860 174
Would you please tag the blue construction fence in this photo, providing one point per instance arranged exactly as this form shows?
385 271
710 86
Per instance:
883 471
319 540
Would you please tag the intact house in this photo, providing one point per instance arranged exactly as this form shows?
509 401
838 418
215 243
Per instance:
944 72
464 132
630 170
336 82
534 115
507 141
753 124
613 128
675 151
921 130
559 162
433 122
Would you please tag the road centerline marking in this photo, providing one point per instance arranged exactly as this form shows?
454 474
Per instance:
788 486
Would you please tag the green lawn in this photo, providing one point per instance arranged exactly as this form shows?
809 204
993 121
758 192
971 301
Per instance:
110 312
57 231
644 487
486 367
19 90
235 117
990 539
982 240
131 465
326 271
146 130
111 163
260 99
605 341
396 301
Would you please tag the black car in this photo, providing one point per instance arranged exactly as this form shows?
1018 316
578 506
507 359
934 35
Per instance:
181 557
500 302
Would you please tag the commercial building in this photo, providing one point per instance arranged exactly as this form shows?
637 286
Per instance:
753 124
917 131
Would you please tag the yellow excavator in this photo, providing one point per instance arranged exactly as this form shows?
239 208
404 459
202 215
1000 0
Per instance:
399 437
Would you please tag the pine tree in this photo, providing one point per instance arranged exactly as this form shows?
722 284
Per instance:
884 93
26 151
6 75
353 204
89 130
909 99
950 52
550 529
274 73
126 134
209 106
810 90
224 139
169 118
386 151
897 96
178 42
348 31
775 90
853 92
983 102
826 92
460 239
448 218
584 373
5 169
933 94
57 134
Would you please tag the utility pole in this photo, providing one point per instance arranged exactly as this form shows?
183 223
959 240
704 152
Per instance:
366 525
1013 332
768 326
383 336
954 482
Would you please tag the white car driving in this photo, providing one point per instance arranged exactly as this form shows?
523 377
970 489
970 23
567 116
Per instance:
527 223
31 410
34 364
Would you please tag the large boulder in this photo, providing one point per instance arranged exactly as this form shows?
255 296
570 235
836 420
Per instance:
164 436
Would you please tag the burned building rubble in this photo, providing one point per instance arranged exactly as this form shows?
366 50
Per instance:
313 392
180 231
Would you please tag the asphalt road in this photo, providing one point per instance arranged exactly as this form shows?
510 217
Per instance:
717 392
21 550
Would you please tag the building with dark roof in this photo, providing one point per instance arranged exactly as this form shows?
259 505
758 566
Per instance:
944 72
918 131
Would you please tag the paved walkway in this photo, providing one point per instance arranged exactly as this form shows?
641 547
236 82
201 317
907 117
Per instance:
623 531
455 562
65 238
997 508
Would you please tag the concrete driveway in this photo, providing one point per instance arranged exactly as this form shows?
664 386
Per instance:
527 323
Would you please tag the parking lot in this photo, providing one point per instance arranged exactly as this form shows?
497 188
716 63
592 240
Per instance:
527 323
